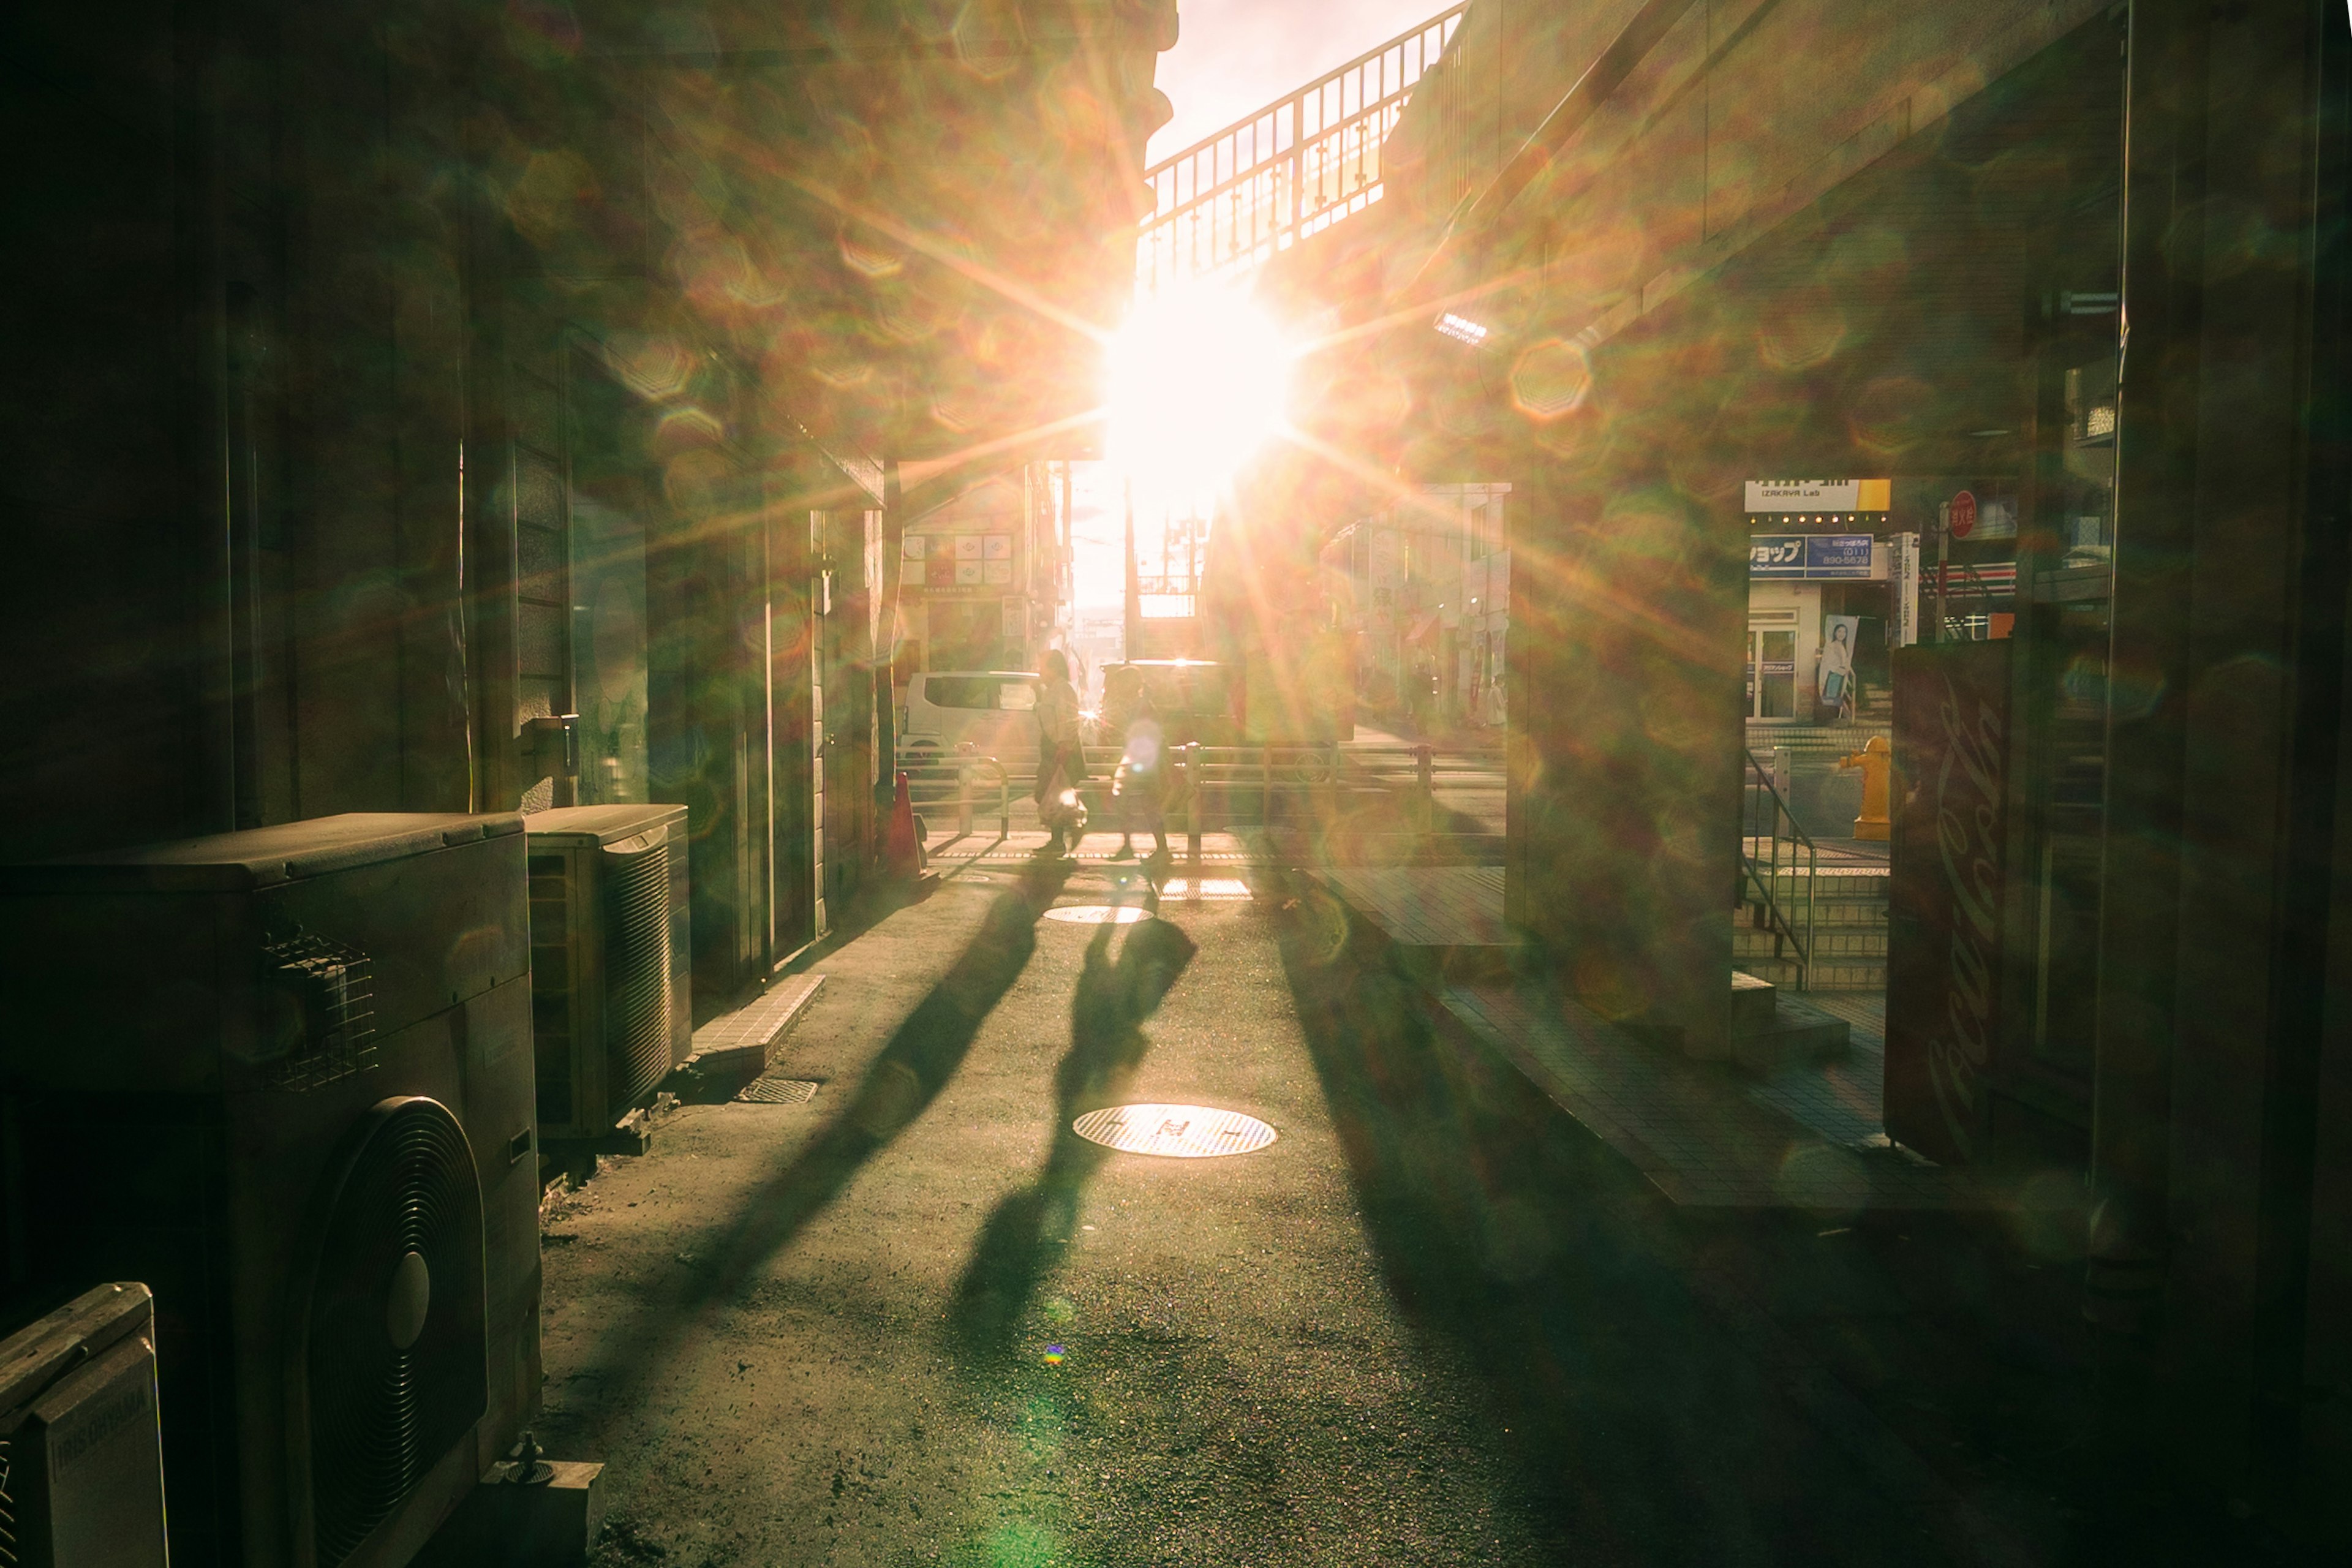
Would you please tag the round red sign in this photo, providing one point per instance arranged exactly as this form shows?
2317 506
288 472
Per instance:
1964 514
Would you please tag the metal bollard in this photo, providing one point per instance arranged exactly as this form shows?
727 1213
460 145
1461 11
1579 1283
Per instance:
1425 764
1193 792
963 791
1266 785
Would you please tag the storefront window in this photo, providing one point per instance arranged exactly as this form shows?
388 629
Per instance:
2074 661
2068 688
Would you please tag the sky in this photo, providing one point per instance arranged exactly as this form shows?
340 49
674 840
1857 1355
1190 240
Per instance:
1232 57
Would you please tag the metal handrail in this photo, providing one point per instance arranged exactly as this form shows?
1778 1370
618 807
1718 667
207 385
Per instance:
1260 770
961 770
1235 198
1766 880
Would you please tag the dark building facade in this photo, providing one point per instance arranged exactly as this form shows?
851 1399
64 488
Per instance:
1670 251
474 406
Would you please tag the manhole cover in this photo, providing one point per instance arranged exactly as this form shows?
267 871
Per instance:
1184 1132
1098 914
778 1091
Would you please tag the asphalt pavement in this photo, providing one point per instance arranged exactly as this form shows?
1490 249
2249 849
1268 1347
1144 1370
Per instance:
918 1319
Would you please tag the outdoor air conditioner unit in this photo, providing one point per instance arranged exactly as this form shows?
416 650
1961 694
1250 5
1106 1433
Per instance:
611 1004
283 1078
81 1471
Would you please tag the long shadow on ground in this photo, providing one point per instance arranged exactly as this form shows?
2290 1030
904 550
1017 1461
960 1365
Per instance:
1639 1433
922 1055
1025 1234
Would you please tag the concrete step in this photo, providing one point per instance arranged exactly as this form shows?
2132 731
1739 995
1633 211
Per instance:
1782 972
1828 974
1829 942
1849 974
1754 1004
1870 889
1771 1030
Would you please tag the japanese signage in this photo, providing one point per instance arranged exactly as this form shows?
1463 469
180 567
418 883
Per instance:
954 565
1903 570
1820 495
1809 555
1944 904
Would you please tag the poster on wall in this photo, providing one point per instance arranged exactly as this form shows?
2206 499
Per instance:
1945 894
1833 683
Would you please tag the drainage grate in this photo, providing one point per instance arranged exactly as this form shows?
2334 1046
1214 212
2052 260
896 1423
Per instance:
778 1091
1181 1131
1098 914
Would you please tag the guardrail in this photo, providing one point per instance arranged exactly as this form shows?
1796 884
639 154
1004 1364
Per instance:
1242 777
953 783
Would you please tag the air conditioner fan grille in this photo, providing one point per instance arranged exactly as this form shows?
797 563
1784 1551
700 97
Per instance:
381 1412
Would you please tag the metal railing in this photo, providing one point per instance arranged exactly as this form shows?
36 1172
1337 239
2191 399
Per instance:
1764 812
954 783
1238 778
1231 200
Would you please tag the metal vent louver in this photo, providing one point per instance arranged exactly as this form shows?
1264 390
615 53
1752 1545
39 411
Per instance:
637 968
396 1334
551 1002
319 1017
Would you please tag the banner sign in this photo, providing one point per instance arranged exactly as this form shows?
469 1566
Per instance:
1903 572
958 565
1945 894
1826 556
1820 495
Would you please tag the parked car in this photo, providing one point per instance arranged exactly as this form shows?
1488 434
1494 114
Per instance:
1197 701
995 709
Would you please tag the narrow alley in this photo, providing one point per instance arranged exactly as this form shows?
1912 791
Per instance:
1081 783
918 1319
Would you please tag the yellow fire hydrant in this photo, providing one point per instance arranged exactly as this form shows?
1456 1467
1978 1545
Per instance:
1876 762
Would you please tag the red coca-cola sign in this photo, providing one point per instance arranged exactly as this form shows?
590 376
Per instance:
1944 904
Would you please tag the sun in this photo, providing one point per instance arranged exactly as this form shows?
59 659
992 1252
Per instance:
1199 380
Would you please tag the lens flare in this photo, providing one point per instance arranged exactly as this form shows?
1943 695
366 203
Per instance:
1198 379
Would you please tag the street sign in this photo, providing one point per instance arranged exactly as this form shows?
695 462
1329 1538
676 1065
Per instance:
1964 514
1819 495
1815 556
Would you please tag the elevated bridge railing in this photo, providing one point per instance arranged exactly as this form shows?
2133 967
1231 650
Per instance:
1304 162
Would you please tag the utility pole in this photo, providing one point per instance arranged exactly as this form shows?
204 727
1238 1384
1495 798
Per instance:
1066 579
1133 636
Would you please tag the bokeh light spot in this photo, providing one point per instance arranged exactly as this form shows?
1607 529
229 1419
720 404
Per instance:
1551 378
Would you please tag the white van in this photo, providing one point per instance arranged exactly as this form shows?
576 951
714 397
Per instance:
995 709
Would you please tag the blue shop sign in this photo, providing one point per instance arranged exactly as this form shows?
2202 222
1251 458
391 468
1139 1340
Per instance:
1809 555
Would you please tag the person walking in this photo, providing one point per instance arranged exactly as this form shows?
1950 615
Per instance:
1061 756
1142 780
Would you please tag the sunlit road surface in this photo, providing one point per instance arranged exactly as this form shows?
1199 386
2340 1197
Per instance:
915 1321
1467 781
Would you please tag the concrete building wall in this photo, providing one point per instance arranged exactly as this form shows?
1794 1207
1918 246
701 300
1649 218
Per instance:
1808 234
1753 235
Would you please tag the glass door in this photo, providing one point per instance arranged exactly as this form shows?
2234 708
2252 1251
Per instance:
2067 691
1771 674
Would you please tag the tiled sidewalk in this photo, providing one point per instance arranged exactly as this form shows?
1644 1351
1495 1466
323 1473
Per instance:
1706 1139
950 853
1427 906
